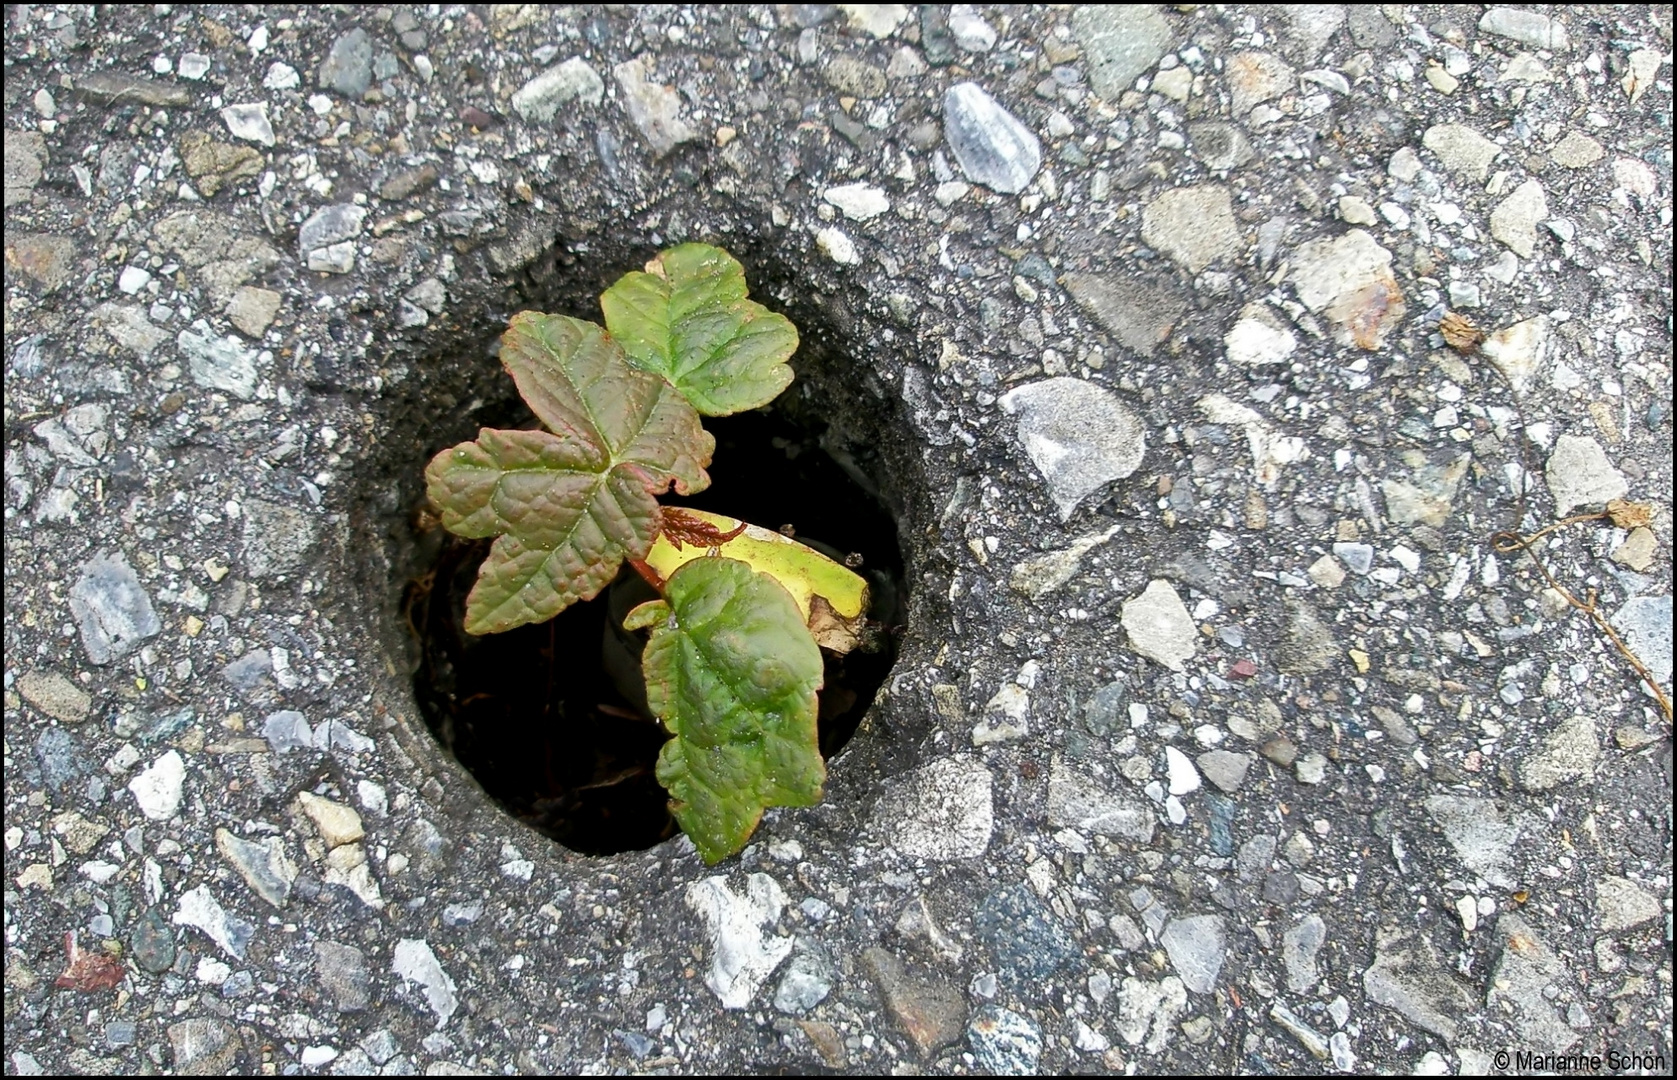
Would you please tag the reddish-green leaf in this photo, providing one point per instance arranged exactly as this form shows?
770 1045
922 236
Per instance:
566 507
687 318
732 671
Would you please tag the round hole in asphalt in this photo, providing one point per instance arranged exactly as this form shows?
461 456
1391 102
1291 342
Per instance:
551 718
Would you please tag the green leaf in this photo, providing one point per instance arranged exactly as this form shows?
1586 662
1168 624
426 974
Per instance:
687 318
566 508
732 672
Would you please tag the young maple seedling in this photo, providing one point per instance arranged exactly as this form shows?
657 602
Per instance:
733 661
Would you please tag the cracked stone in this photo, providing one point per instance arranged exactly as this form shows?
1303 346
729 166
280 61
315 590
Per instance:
1408 977
1076 801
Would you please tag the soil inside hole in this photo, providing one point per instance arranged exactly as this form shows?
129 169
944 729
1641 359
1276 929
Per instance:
535 715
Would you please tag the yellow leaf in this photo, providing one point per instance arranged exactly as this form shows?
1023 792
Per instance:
825 592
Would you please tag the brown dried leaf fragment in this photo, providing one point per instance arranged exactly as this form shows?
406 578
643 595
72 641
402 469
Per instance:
1630 515
1460 333
88 971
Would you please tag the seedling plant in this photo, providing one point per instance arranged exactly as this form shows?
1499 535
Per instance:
733 661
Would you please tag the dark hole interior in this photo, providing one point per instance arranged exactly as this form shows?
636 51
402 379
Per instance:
535 713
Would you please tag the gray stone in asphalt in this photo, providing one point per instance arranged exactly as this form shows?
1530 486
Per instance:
1579 474
248 121
277 539
1310 26
1576 151
1408 977
199 908
26 154
1149 1010
1139 312
1076 801
940 811
348 67
286 730
1158 625
1307 1036
1483 840
1100 715
1040 575
857 78
1567 754
1645 624
111 608
1531 986
1526 27
1220 146
1196 946
807 981
1307 645
1224 768
991 145
1028 943
1514 222
205 1047
1299 947
414 960
1194 226
330 225
1079 435
1358 557
653 108
1326 269
1461 149
538 100
262 863
246 673
342 971
1621 904
1426 500
1255 856
1120 43
219 363
1004 1043
252 310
